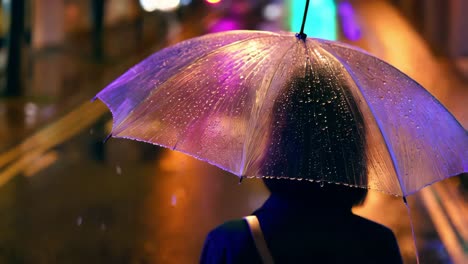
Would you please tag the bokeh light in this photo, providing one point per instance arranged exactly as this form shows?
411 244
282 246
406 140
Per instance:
272 12
162 5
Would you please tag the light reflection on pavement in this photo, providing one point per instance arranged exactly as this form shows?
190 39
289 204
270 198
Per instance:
188 198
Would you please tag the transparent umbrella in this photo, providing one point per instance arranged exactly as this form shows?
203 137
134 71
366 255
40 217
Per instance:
281 105
216 98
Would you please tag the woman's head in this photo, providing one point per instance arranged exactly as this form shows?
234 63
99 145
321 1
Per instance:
317 134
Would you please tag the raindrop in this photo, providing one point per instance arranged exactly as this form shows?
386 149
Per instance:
322 183
118 170
384 82
79 221
91 131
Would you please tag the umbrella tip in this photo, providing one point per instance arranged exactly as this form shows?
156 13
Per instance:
240 180
302 36
404 200
107 138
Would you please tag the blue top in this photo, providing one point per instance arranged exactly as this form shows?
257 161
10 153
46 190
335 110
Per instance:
297 232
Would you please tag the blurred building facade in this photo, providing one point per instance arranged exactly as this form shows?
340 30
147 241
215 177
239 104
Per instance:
443 23
93 29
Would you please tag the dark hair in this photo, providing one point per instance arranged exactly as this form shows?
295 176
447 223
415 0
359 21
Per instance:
317 135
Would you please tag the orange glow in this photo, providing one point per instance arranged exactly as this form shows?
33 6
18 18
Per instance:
213 1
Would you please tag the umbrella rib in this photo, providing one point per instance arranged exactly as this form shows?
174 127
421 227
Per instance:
347 47
355 181
308 67
186 66
214 108
267 89
392 156
206 55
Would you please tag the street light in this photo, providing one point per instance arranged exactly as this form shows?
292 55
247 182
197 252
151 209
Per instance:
162 5
213 1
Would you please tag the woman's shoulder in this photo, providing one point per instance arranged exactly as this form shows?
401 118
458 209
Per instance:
371 225
234 229
229 243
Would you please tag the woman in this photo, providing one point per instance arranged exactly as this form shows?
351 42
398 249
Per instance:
318 135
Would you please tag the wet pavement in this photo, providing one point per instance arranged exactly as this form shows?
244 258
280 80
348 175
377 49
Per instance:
67 198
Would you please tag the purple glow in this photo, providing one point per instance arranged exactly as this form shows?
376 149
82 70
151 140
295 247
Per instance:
345 9
224 25
213 97
349 23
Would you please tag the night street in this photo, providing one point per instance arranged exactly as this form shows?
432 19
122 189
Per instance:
67 197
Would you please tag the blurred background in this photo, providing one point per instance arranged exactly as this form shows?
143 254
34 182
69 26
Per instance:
66 197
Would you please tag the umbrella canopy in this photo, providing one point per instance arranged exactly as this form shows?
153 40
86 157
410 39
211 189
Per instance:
235 100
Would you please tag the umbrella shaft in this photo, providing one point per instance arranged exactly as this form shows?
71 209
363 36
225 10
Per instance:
304 19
